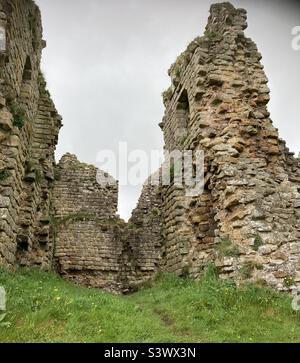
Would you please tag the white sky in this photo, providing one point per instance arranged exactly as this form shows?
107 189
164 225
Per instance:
106 65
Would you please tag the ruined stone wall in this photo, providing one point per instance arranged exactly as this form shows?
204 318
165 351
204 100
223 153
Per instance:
246 221
85 226
143 243
218 103
93 246
29 126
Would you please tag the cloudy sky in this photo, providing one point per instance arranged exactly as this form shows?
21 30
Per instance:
106 65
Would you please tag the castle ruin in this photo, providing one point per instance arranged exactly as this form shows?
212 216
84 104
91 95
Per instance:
247 220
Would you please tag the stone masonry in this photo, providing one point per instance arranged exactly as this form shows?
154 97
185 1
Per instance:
29 126
93 246
84 223
246 222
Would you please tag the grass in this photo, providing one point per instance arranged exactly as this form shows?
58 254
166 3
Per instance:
178 72
258 242
19 116
84 216
248 268
41 307
227 249
5 174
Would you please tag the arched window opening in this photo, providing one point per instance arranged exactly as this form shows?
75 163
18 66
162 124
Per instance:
182 116
183 108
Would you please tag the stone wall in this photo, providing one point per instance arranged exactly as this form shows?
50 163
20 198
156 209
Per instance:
93 246
29 126
218 103
143 244
85 226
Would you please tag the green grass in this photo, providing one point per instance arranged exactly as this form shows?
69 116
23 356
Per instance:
227 249
19 116
5 174
258 242
41 307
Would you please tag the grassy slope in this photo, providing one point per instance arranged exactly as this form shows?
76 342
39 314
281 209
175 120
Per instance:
44 308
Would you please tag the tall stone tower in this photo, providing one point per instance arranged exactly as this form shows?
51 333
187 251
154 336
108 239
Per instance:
247 221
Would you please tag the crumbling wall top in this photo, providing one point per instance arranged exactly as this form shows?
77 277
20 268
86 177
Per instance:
224 21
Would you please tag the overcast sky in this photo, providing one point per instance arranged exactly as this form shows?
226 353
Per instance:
106 66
